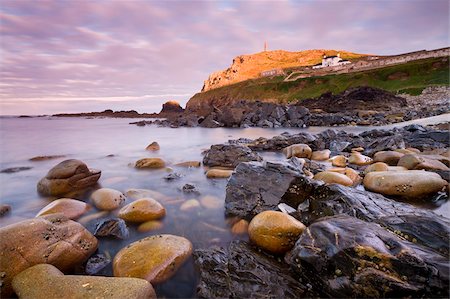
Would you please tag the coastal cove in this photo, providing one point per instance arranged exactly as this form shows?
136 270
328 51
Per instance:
113 146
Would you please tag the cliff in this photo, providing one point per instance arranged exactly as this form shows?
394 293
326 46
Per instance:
246 67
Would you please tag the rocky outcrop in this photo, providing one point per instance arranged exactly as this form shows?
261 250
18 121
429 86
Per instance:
171 107
229 155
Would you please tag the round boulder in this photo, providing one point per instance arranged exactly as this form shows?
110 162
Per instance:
388 157
331 177
70 208
339 161
107 199
298 150
153 163
275 231
142 210
155 258
218 173
321 155
154 146
359 159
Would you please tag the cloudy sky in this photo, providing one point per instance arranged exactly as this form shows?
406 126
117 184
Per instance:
88 55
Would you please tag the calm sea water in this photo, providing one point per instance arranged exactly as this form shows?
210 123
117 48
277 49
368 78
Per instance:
93 140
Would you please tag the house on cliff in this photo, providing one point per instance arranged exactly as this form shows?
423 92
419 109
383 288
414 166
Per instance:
329 61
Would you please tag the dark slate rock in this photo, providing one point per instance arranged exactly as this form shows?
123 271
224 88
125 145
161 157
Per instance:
189 188
241 271
229 155
15 169
96 263
115 227
172 176
4 209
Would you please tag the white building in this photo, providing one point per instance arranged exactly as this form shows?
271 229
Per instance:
328 61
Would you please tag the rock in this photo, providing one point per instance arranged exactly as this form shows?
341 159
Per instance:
4 209
240 271
189 205
172 176
51 239
353 175
15 169
190 188
112 228
339 161
321 155
255 187
211 202
387 143
155 258
189 164
45 158
44 281
359 159
218 174
96 263
346 257
70 208
298 150
357 149
107 199
412 184
150 226
154 146
240 227
331 177
153 163
417 162
144 193
67 176
171 107
388 157
142 210
275 231
229 155
338 146
378 166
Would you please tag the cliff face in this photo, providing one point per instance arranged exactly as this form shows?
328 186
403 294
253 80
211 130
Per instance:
246 67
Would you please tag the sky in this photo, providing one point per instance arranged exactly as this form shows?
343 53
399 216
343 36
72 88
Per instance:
88 55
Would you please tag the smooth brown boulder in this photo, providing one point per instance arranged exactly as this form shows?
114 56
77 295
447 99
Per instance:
359 159
331 177
45 281
321 155
189 164
275 231
51 239
380 166
107 199
240 227
68 176
142 210
339 161
411 184
70 208
155 258
150 226
190 205
389 157
298 150
154 146
353 175
152 163
418 162
218 173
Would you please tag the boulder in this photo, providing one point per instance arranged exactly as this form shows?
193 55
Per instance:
155 258
44 281
347 257
275 231
412 184
150 226
97 263
414 161
154 146
107 199
70 208
240 227
298 150
389 157
229 155
68 176
153 163
218 173
339 161
112 228
142 210
241 271
331 177
359 159
190 205
4 209
321 155
51 239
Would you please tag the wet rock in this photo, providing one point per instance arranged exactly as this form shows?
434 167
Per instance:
45 158
142 210
240 227
45 281
339 161
51 239
112 228
151 163
275 231
359 159
331 177
190 205
155 258
378 166
298 150
389 157
107 199
154 146
418 162
70 208
229 155
240 271
189 164
338 146
190 188
67 176
172 176
4 209
347 257
150 226
96 263
211 202
255 187
412 184
218 173
15 169
321 155
278 143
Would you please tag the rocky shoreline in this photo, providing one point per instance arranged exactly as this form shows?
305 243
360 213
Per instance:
339 216
356 106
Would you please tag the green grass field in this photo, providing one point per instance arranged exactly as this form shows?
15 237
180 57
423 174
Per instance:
409 78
